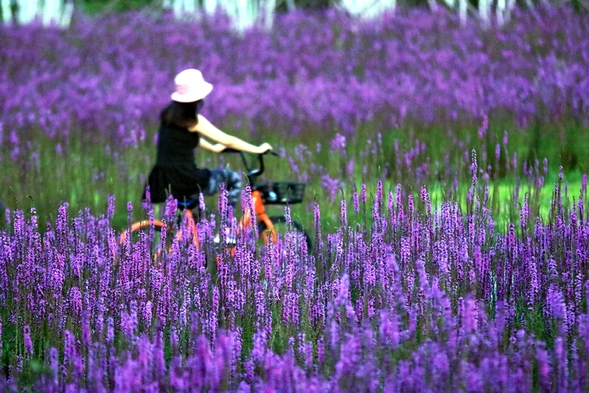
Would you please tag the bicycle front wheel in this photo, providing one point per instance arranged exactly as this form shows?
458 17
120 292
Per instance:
294 230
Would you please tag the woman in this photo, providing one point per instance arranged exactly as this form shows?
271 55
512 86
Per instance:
183 129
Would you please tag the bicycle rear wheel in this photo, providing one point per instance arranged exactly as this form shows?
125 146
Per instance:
153 236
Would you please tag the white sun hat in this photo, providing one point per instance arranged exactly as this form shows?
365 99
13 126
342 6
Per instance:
190 86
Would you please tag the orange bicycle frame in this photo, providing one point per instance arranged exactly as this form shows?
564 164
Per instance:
261 216
190 226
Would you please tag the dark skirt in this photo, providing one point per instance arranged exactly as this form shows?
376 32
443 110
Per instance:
179 180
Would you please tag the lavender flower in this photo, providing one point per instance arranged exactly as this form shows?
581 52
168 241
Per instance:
28 342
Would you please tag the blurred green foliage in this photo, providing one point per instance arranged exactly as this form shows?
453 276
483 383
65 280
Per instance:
97 6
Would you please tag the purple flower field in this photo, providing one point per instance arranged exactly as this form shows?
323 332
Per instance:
412 302
406 292
107 75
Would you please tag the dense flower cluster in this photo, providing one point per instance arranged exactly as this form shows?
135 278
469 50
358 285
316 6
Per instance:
430 300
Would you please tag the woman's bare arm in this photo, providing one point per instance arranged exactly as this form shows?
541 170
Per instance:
215 148
208 130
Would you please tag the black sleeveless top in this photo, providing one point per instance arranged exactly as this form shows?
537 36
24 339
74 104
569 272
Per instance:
175 171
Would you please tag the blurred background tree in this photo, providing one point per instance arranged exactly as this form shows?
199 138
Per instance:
286 5
124 5
249 12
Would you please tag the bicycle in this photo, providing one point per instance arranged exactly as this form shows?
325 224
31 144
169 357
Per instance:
262 194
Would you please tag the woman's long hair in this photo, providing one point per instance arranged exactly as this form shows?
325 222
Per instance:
181 114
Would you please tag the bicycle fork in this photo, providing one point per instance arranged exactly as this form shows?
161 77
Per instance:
261 216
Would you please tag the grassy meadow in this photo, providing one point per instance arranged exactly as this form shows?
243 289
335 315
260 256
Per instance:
45 174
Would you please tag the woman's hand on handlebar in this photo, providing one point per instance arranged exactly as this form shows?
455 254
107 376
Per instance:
264 148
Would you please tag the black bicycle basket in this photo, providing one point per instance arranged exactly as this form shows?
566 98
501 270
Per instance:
282 193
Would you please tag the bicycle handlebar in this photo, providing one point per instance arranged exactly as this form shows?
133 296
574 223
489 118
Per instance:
252 173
